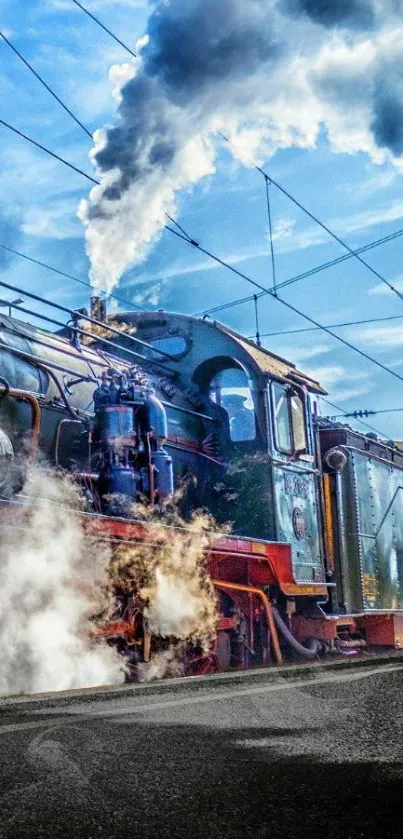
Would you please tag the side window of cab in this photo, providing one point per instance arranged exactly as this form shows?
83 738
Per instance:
231 389
289 419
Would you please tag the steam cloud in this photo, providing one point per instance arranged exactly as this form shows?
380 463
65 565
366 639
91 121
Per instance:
269 74
169 572
50 582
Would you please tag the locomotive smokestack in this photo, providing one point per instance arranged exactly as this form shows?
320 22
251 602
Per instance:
98 309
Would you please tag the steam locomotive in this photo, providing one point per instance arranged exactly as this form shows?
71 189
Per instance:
139 404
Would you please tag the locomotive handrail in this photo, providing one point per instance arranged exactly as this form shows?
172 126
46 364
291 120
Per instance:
82 316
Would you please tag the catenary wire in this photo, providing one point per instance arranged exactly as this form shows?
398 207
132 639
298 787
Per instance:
297 277
64 106
225 264
329 325
298 312
68 276
324 226
231 268
366 424
42 81
268 178
105 28
47 151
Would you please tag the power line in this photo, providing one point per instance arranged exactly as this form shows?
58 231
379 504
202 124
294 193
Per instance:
105 28
315 270
273 264
366 424
329 325
225 264
47 151
185 236
324 226
68 276
269 180
369 413
297 311
231 268
42 81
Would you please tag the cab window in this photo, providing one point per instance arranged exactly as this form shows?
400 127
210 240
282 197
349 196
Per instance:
289 420
231 389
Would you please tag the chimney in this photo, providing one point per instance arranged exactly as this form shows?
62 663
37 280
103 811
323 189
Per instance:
98 309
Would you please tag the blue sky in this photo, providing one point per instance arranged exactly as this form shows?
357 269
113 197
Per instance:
360 199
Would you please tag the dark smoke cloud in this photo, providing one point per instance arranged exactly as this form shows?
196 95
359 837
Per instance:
206 42
352 13
387 122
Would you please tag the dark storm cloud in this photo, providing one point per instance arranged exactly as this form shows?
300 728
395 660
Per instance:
358 14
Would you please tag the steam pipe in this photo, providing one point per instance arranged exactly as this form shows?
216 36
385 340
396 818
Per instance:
305 652
36 412
267 607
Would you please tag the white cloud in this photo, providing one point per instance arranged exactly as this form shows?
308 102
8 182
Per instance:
55 220
340 382
383 337
382 288
301 354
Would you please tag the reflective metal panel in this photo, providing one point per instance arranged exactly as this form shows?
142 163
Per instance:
378 490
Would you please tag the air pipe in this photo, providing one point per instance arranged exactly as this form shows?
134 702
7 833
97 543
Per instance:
305 652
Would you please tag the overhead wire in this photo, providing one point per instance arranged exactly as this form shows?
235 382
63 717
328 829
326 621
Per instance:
294 309
366 424
315 270
330 325
324 226
245 277
105 28
47 151
68 276
268 179
45 84
184 236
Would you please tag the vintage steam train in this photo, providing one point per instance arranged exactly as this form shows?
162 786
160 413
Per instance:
139 404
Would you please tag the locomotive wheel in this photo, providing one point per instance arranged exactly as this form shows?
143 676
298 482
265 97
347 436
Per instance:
223 650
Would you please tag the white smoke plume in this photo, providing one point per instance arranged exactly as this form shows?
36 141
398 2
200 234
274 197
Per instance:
269 74
50 581
169 573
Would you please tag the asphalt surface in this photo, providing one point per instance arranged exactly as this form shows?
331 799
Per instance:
312 752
